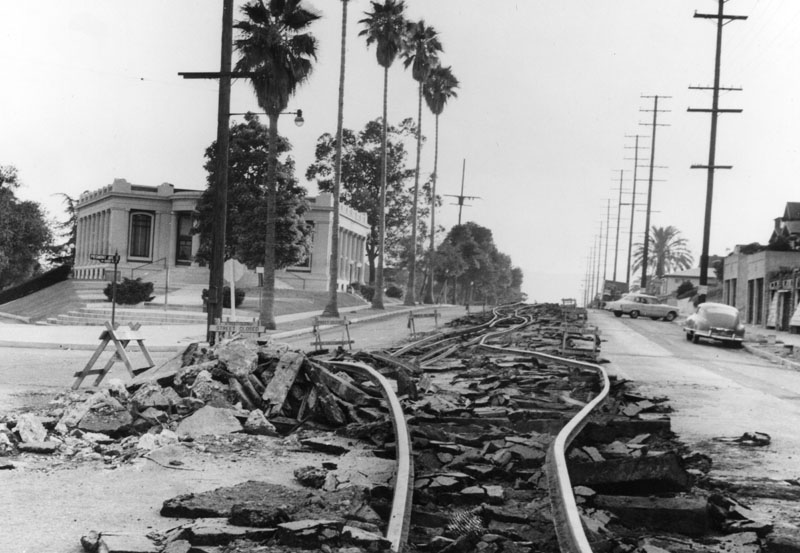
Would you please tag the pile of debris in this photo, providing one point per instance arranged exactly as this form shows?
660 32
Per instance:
238 386
641 489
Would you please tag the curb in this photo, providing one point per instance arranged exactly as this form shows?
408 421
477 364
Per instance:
20 318
178 346
777 359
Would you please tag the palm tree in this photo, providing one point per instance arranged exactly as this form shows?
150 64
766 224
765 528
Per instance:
670 252
332 309
440 87
421 54
385 26
278 53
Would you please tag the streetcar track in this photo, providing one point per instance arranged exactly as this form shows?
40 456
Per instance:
429 350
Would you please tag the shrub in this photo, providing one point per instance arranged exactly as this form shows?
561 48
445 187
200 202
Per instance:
366 292
130 291
394 292
685 290
226 296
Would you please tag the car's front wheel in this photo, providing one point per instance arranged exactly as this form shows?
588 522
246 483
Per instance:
670 316
688 335
695 338
634 314
618 313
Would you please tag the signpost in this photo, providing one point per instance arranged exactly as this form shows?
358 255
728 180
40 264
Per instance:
107 258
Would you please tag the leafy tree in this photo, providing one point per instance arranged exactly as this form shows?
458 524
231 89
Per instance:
668 252
437 90
421 54
275 47
384 26
24 232
64 253
480 270
248 201
718 264
362 176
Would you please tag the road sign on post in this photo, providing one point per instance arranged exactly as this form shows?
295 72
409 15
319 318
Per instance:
108 258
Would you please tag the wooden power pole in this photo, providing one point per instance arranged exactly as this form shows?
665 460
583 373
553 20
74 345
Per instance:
712 148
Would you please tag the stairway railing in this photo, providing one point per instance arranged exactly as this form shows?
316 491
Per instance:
166 276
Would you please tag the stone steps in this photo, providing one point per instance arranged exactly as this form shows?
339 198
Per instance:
96 316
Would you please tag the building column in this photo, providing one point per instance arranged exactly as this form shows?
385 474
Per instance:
173 239
92 233
78 238
106 244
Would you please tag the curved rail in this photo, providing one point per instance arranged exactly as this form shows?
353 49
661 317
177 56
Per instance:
567 519
400 517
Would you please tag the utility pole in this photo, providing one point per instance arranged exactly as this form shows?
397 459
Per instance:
633 208
712 148
215 284
461 197
650 187
619 212
597 273
591 271
586 284
605 253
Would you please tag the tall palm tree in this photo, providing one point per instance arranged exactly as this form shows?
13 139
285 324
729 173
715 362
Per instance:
332 309
440 87
670 251
385 26
421 54
278 52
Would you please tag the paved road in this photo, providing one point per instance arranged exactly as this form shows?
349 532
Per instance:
716 392
30 377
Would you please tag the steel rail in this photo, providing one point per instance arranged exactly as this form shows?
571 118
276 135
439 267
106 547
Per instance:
400 517
567 519
432 339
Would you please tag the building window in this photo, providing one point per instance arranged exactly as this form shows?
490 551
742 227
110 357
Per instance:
141 235
183 254
304 265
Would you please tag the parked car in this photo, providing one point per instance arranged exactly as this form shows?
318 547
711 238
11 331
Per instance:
717 322
635 305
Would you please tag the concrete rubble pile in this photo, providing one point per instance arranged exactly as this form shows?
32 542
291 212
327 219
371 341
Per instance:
640 489
235 388
480 443
238 386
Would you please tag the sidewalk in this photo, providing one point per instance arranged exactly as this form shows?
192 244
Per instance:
176 337
779 346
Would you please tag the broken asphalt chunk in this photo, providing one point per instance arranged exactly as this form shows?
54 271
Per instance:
640 476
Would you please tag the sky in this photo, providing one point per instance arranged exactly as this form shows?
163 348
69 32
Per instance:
551 95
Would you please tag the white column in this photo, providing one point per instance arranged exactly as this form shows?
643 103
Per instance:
78 242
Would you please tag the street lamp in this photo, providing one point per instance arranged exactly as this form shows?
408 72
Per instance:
298 120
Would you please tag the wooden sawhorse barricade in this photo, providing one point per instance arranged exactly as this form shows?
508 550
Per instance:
573 334
411 316
121 337
331 322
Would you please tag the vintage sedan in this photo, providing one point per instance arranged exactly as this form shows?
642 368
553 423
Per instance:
635 305
717 322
